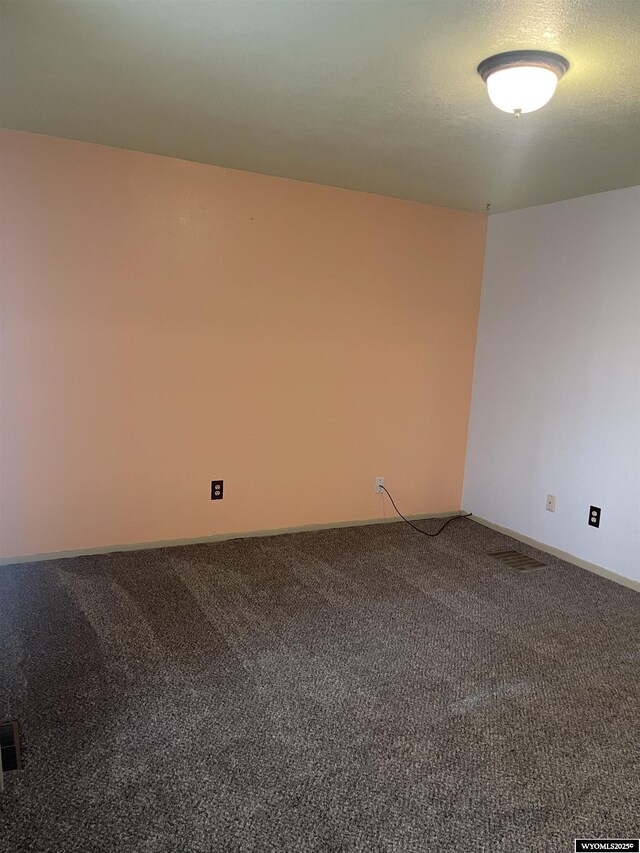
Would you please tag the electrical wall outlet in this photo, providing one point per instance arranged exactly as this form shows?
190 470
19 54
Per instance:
594 516
216 490
379 485
551 503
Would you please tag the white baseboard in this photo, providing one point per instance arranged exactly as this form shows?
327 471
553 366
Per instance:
564 555
248 534
214 537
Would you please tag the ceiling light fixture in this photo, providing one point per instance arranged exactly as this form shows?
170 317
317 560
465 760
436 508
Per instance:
522 81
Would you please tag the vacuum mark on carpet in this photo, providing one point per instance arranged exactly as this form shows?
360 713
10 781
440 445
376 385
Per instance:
126 640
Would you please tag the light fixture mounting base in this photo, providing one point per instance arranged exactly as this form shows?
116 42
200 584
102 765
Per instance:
513 58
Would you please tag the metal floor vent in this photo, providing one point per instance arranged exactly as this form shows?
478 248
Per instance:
516 560
10 754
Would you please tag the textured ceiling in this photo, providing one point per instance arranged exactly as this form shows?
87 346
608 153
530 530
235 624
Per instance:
376 96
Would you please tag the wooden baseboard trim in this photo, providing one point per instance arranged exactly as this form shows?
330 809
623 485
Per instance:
214 537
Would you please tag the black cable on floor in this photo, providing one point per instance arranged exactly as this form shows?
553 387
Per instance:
424 532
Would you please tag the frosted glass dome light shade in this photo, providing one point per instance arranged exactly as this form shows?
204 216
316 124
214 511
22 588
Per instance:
522 81
521 89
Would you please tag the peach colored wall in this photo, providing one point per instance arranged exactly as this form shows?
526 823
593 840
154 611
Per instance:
165 323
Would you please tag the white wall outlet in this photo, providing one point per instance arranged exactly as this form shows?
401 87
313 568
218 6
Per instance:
379 485
551 503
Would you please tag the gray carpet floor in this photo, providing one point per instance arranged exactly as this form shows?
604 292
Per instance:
362 689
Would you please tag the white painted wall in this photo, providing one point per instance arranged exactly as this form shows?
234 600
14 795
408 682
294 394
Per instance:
556 394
